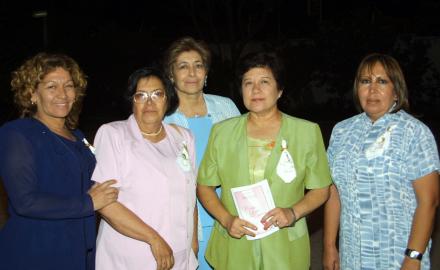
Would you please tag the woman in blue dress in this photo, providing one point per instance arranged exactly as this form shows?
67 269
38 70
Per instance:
46 166
187 64
384 165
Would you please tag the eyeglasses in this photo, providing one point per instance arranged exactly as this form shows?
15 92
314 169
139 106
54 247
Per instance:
142 97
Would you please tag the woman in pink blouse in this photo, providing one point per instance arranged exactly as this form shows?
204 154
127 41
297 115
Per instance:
153 223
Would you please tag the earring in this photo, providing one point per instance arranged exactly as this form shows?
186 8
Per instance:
206 81
172 80
32 102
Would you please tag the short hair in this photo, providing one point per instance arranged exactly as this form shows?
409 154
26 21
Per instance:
185 44
26 78
262 59
171 101
393 71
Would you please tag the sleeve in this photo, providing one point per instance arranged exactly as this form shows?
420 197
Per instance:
18 168
317 170
108 150
422 157
208 170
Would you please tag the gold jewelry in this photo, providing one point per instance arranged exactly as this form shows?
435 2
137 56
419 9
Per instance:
152 134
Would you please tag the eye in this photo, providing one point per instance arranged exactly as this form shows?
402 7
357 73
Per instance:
265 81
365 81
69 87
159 93
200 66
382 81
182 66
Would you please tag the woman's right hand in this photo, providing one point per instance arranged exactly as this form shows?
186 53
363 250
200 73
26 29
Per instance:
330 258
238 227
103 194
162 252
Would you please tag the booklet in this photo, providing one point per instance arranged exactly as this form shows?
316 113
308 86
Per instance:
252 203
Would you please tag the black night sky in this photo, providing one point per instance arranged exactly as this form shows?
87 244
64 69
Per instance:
321 43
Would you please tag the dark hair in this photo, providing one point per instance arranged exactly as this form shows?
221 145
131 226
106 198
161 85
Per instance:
26 78
393 71
263 60
172 101
185 44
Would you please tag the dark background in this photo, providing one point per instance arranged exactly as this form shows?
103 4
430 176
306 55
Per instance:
321 43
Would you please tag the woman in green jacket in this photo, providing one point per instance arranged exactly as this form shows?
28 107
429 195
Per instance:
263 144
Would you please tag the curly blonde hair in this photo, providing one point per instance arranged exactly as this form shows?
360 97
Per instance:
27 77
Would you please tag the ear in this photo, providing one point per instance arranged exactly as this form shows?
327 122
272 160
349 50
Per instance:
33 94
280 93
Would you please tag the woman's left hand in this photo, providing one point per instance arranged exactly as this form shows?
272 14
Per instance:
410 264
279 217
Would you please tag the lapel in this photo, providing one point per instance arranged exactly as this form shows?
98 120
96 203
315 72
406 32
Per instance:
275 153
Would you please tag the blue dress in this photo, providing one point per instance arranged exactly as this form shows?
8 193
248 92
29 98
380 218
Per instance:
219 108
51 221
373 166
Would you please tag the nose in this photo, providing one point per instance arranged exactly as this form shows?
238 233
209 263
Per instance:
62 92
374 87
192 70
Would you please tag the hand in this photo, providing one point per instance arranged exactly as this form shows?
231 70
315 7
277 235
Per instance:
410 264
330 258
162 253
279 217
237 227
103 194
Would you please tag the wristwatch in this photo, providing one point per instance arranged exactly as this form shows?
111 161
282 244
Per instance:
413 254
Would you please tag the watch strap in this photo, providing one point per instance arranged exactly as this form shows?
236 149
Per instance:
413 254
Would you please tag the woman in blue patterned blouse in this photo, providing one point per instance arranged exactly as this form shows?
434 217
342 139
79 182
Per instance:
385 169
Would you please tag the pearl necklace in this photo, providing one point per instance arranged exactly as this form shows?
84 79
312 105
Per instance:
153 133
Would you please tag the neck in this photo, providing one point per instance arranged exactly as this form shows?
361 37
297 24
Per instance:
54 124
262 119
192 105
153 134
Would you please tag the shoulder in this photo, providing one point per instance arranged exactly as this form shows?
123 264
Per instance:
26 127
410 124
176 129
292 120
218 99
112 131
348 123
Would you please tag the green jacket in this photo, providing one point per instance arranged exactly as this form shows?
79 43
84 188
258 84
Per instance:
225 163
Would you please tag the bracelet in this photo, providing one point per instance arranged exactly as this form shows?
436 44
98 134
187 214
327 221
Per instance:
294 216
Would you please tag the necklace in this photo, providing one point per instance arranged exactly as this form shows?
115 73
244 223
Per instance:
152 134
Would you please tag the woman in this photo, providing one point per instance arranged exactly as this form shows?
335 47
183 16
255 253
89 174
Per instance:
384 165
46 165
153 223
187 64
248 149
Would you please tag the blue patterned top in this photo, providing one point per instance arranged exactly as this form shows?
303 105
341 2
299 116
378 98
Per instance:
373 166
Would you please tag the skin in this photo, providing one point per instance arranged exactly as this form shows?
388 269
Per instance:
149 115
188 75
376 96
376 92
260 94
54 97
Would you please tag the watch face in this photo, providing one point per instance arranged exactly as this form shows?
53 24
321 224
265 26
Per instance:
413 254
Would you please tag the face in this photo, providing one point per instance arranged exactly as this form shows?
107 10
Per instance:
376 92
260 90
189 73
149 108
54 95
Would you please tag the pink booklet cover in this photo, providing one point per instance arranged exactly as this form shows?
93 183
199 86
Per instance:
252 203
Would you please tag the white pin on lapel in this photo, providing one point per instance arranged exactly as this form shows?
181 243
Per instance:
286 166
